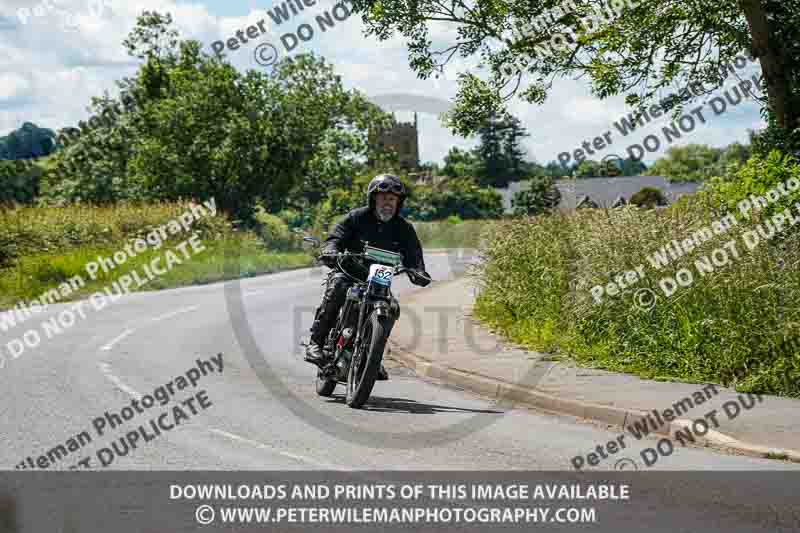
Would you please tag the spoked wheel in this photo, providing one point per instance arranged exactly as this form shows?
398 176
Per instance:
366 362
325 386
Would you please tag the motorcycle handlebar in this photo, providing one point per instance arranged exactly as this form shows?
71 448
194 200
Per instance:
398 269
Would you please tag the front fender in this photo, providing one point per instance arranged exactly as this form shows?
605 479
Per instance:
383 309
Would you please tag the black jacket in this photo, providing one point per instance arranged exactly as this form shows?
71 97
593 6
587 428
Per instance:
362 224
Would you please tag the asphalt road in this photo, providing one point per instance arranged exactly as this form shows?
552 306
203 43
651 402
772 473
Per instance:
145 340
264 413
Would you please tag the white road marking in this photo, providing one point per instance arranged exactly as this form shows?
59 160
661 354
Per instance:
105 368
265 289
252 293
260 445
116 340
176 313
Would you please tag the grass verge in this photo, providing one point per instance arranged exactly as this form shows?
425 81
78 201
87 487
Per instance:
43 249
48 249
450 233
239 256
737 326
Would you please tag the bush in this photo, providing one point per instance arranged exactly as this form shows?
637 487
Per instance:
755 178
339 202
454 219
274 232
649 197
460 197
296 219
541 196
19 182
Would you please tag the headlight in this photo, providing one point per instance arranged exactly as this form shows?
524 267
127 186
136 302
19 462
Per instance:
377 290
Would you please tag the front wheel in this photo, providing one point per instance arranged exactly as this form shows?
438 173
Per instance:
364 367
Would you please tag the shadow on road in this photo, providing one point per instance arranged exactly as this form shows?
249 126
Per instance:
404 405
8 518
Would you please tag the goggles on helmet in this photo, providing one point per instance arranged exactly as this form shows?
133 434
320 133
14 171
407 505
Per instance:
388 186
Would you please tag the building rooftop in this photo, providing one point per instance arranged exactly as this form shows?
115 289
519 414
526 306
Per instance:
604 191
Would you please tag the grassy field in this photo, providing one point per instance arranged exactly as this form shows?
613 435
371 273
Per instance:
41 249
44 248
233 257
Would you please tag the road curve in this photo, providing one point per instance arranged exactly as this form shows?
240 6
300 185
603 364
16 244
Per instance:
145 340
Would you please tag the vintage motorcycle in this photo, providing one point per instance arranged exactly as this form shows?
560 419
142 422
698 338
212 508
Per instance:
365 320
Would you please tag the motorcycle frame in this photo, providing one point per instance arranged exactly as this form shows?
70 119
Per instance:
367 302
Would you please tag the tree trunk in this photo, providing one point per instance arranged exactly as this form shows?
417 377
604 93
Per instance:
772 65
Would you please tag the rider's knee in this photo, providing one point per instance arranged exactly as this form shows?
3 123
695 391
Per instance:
339 288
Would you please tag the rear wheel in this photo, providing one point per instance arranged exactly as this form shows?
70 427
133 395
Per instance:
364 367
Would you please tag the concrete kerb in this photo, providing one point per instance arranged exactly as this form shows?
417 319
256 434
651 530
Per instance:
715 439
496 389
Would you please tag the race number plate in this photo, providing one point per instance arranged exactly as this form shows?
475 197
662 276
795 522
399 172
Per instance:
380 274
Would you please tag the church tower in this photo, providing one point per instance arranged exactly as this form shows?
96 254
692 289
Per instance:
403 138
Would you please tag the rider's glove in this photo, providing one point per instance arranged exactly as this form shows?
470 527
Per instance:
328 259
420 277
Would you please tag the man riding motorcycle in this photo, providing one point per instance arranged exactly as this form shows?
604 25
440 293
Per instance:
380 224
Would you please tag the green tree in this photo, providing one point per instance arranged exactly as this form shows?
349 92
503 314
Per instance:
202 129
28 142
634 53
734 156
340 201
554 170
541 196
514 153
693 162
632 167
94 163
499 153
460 163
492 168
237 138
19 183
341 153
755 178
588 169
460 197
91 163
431 167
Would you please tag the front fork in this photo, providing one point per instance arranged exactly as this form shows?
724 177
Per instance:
345 321
383 307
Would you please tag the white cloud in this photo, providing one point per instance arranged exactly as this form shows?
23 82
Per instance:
50 73
13 85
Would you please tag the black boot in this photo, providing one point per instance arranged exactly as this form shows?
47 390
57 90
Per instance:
319 331
315 355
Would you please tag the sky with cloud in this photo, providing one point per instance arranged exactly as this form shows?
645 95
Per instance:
56 54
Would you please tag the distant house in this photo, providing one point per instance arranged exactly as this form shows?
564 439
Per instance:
604 191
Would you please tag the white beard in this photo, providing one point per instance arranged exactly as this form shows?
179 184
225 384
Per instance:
384 216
